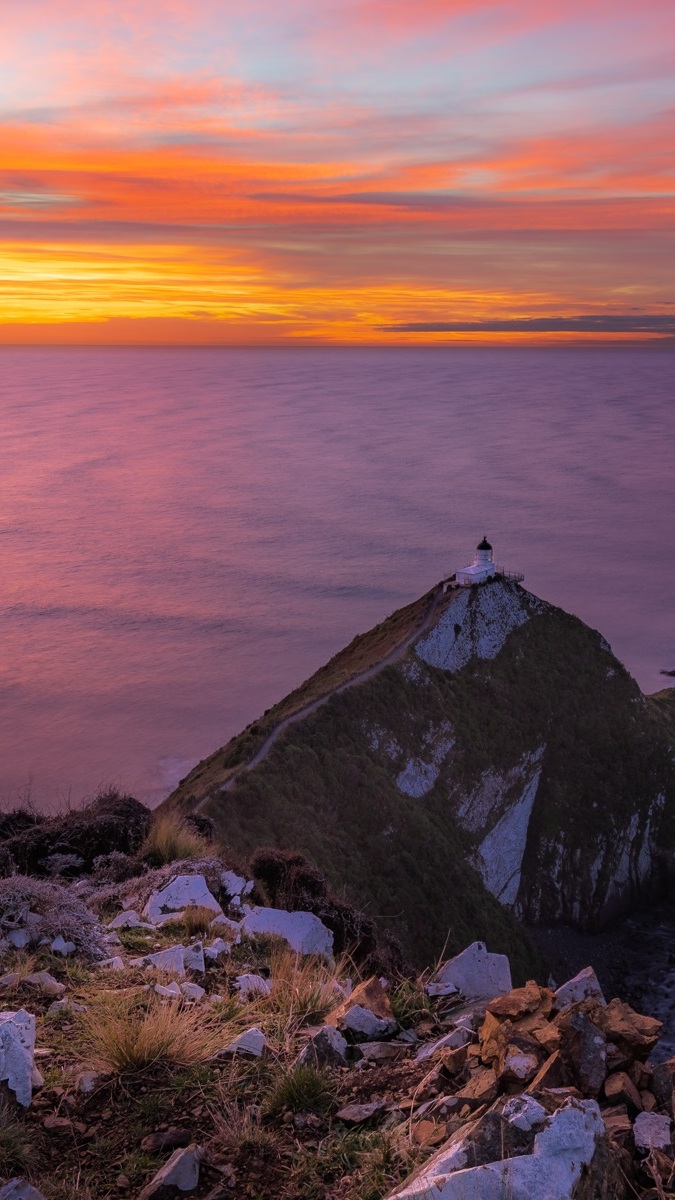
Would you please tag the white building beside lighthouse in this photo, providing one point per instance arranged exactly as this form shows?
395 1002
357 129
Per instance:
482 567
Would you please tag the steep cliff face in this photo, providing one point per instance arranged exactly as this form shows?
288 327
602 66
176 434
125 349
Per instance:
504 765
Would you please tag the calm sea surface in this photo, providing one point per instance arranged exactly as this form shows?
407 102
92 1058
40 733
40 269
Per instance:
185 535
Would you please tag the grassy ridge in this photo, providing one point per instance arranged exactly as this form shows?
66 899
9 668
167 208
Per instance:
324 788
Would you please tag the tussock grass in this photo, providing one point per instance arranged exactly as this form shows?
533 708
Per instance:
18 1150
409 1001
170 839
128 1034
239 1128
197 919
301 1089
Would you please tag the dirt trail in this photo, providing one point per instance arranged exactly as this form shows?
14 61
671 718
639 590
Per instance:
395 654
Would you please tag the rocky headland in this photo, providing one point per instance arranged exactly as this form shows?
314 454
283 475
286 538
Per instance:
406 935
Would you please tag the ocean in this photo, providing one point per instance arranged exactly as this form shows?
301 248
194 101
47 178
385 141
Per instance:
186 534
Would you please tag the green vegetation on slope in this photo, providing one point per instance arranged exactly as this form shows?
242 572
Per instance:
328 788
364 651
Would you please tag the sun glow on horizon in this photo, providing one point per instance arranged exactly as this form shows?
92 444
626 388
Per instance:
362 172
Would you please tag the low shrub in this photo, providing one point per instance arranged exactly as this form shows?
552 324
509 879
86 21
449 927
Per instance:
54 910
110 820
115 867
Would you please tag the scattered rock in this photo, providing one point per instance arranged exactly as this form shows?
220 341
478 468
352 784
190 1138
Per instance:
45 983
451 1041
192 991
584 1050
61 946
620 1089
129 919
179 1174
177 894
17 1044
113 964
363 1026
474 974
194 958
304 932
584 986
653 1130
170 991
252 985
369 995
358 1114
326 1048
86 1082
381 1052
250 1044
217 949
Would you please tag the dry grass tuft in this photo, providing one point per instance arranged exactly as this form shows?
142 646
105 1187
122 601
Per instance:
303 991
17 1145
169 840
239 1128
129 1033
197 919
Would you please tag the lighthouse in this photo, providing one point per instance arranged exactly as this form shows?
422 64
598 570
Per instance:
482 567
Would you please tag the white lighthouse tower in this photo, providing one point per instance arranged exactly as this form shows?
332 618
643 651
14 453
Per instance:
482 567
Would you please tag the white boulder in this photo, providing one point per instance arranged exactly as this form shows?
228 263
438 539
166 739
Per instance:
216 950
584 986
113 964
365 1026
17 1043
304 932
192 991
193 958
177 894
227 929
562 1151
474 974
252 985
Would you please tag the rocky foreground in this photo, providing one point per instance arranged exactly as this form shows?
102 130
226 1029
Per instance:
168 1031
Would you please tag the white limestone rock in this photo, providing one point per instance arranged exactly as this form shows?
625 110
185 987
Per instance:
17 1044
172 960
61 946
326 1048
115 964
304 932
193 958
562 1151
252 1043
229 930
474 974
217 949
365 1026
45 983
18 938
252 985
235 885
177 894
129 919
653 1130
170 991
451 1041
19 1189
192 991
476 624
583 986
180 1172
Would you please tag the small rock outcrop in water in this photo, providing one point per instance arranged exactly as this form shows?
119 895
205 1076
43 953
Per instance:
503 763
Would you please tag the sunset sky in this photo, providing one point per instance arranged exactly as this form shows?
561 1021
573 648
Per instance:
237 171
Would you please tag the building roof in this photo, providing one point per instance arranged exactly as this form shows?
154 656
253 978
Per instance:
484 545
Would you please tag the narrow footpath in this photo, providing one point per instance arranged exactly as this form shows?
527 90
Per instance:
392 657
